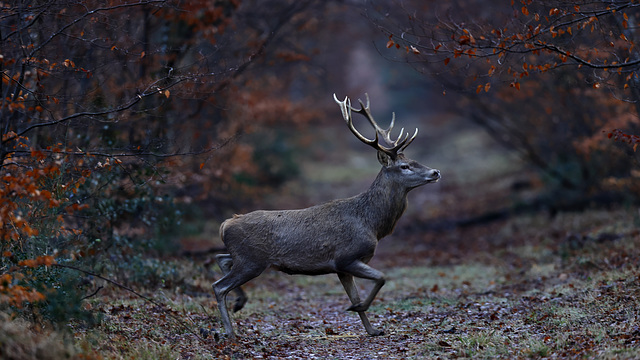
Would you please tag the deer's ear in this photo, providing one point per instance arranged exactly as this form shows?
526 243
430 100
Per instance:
384 159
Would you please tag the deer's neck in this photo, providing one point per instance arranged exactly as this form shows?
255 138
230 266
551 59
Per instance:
383 204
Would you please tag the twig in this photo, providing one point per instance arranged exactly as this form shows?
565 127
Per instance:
93 294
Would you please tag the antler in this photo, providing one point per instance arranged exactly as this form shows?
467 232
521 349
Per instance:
397 146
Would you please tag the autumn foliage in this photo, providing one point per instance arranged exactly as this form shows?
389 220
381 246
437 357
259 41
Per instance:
553 80
35 198
115 114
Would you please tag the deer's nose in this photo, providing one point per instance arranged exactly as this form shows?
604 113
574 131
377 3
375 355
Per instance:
435 174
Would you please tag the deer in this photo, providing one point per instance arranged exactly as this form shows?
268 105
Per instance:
337 237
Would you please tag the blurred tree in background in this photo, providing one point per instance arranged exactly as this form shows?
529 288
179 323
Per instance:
554 80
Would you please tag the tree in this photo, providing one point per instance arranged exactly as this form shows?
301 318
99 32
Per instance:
101 99
551 79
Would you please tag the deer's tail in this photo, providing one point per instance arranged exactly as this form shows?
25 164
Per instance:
225 224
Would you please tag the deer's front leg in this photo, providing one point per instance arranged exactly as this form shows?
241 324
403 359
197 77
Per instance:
364 271
352 291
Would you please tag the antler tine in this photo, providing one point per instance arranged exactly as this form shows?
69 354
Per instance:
397 146
409 141
366 112
345 107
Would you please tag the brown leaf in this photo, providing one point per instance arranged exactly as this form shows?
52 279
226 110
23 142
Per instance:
444 343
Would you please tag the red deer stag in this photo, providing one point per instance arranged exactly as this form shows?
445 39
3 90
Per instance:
338 237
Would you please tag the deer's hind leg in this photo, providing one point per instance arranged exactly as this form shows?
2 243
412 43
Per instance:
349 285
225 261
233 279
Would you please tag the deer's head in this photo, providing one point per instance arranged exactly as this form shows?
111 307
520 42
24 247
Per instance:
409 173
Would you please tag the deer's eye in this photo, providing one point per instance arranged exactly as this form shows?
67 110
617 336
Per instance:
405 167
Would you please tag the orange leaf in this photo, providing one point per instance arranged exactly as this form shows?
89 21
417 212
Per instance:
390 43
446 61
28 263
525 11
46 260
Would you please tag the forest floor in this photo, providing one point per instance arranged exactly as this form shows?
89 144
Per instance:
527 285
531 287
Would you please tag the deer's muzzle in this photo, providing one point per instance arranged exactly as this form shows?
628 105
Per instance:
434 175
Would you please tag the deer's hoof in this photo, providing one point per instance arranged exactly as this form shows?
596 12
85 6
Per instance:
239 304
376 332
358 307
227 337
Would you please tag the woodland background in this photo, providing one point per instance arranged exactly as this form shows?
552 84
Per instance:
132 129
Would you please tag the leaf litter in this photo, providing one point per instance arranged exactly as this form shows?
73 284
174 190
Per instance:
567 289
